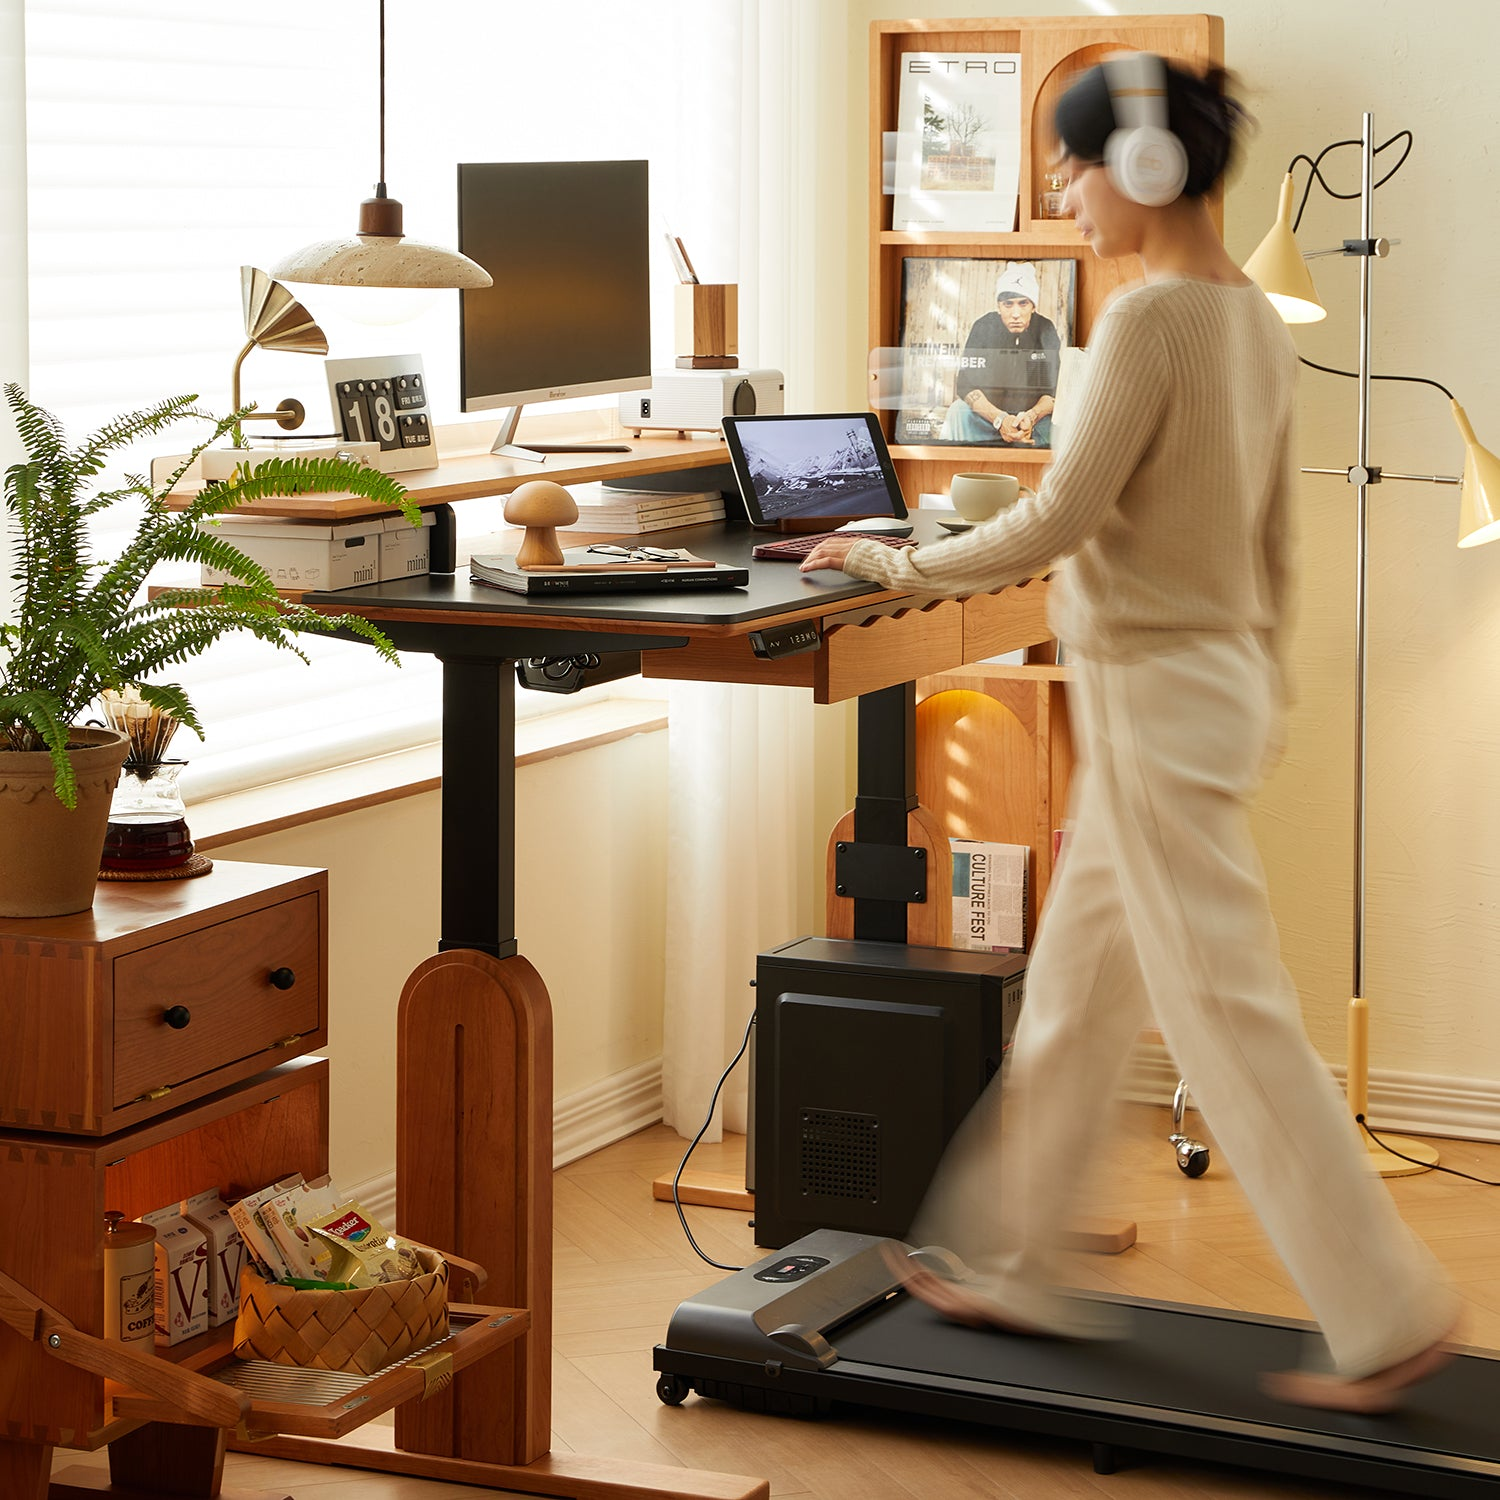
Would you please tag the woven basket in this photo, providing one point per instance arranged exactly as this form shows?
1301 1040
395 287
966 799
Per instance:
362 1330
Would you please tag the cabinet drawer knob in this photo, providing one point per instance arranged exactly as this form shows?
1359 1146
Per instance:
283 979
177 1016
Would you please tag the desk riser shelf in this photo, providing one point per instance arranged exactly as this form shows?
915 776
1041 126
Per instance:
477 476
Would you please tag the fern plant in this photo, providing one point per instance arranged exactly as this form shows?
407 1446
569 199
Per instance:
82 623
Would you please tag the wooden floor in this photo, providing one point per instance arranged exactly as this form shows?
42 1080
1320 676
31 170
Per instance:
623 1265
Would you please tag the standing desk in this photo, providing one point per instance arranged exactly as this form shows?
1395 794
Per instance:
474 1158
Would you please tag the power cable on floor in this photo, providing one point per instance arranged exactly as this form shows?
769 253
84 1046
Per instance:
702 1130
1374 1135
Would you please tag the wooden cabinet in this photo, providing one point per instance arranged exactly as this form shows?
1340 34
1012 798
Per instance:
56 1189
143 1064
1052 50
163 992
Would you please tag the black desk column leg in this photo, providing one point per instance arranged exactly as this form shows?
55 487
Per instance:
479 806
885 792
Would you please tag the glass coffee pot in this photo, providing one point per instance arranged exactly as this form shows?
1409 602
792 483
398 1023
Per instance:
147 827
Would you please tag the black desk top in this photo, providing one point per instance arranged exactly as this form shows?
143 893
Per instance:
775 588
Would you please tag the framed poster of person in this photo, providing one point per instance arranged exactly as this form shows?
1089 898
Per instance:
980 349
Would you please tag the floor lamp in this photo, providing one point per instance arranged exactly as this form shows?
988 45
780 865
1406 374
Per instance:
1280 270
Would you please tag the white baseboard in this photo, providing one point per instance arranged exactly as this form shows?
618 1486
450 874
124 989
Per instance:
1421 1103
589 1120
606 1112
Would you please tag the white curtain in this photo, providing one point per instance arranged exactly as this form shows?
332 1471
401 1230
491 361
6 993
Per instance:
12 236
744 841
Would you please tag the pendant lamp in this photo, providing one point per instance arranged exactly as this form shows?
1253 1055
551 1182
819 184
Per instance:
378 254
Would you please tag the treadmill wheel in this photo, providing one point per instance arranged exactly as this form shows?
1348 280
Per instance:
672 1389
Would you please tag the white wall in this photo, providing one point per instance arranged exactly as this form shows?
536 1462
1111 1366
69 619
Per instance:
590 915
590 884
1309 68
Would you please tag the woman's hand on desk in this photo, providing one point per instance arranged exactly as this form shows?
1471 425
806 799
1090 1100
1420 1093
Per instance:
828 554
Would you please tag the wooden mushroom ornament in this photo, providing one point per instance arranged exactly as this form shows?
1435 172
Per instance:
541 507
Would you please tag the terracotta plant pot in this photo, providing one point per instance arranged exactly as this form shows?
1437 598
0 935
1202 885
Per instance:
49 856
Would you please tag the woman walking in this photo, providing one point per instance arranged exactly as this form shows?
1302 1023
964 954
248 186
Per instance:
1164 518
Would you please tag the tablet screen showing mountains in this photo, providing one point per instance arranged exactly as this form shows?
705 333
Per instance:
815 466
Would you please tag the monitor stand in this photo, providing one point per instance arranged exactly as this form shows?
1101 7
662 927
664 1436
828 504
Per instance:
504 447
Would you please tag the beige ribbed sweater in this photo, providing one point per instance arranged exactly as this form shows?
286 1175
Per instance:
1168 499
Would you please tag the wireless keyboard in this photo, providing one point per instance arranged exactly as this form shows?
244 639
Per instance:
795 548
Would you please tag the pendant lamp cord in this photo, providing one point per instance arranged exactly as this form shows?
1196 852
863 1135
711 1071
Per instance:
1316 163
380 186
1404 137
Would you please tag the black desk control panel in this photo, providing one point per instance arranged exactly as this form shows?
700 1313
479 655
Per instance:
775 641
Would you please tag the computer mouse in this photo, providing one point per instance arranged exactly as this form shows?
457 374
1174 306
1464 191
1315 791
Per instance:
876 526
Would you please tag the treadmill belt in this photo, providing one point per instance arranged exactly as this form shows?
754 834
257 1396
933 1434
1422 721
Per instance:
821 1324
1200 1365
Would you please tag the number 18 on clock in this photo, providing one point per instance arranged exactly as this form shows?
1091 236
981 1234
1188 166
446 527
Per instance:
384 400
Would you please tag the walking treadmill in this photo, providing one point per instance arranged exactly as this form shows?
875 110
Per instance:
821 1323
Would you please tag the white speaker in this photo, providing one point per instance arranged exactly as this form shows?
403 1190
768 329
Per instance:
1145 161
698 400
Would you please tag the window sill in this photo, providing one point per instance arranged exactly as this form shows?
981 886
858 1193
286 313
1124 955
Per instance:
386 778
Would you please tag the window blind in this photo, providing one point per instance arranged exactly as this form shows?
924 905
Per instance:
170 142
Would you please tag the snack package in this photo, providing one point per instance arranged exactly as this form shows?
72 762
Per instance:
285 1216
363 1253
250 1220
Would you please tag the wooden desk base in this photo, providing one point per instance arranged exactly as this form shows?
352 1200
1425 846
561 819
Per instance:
570 1475
92 1484
726 1190
474 1172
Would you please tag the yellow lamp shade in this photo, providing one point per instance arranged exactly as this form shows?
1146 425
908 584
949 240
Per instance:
1479 494
1278 269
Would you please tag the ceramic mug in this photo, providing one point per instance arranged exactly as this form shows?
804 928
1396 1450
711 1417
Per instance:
977 497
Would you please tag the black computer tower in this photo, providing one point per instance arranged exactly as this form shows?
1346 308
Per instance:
867 1057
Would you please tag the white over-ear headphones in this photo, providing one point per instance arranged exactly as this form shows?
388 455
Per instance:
1145 161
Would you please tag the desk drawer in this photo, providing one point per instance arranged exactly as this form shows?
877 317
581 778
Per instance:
216 984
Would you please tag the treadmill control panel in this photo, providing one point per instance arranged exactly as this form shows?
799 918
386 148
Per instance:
793 1268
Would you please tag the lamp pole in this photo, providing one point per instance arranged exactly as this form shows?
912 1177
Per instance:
1362 476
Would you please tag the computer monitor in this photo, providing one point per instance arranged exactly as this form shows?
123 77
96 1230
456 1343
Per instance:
569 313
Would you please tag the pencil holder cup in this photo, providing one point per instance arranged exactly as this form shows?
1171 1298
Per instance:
707 326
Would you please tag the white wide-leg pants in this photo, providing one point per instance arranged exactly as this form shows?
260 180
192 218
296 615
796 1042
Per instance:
1160 909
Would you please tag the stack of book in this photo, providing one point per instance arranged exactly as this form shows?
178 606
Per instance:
629 511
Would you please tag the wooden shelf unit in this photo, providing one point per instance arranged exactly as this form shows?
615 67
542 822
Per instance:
60 1186
1052 50
995 759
